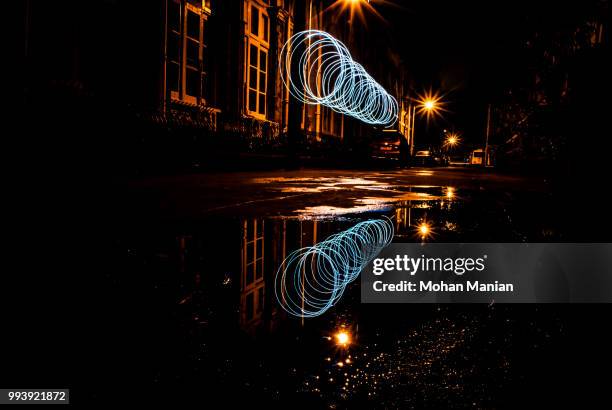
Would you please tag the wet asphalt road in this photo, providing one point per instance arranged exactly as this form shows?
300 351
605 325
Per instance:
308 193
178 261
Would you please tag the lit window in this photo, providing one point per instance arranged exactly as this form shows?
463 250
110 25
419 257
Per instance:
257 61
185 75
258 68
255 21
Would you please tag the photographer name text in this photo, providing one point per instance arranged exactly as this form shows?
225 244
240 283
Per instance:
455 266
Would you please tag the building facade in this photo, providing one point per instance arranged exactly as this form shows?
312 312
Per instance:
190 70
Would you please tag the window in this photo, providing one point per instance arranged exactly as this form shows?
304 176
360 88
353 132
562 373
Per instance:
253 304
192 55
259 23
174 46
253 252
255 21
253 284
258 61
257 57
265 26
250 302
186 76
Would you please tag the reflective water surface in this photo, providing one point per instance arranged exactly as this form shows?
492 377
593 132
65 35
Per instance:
195 300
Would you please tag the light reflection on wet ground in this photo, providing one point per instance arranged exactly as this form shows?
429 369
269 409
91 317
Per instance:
274 194
364 202
213 275
420 362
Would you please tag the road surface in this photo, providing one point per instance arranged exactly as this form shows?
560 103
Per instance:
308 193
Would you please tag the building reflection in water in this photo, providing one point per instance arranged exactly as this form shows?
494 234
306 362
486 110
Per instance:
225 271
211 283
265 245
252 281
229 275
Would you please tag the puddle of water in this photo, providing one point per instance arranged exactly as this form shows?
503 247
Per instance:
212 319
396 197
330 212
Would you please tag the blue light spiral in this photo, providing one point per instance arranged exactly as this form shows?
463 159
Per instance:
313 279
318 69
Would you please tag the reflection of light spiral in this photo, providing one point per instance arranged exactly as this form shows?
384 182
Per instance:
312 279
324 73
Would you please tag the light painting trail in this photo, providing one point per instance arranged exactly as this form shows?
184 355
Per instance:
313 279
318 69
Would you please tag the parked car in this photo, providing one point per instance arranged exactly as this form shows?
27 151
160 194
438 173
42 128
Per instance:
424 159
390 146
440 159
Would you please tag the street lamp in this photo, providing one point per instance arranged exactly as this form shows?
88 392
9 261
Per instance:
451 140
424 230
355 3
429 104
355 7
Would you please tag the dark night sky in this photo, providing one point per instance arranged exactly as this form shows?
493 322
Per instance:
470 51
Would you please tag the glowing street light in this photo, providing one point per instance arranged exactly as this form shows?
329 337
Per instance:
355 3
343 338
424 230
452 140
430 104
355 7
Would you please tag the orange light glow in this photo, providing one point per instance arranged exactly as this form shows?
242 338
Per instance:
424 230
430 104
452 140
343 338
355 7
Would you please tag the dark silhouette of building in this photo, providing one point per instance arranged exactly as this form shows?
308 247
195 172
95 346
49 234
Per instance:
552 114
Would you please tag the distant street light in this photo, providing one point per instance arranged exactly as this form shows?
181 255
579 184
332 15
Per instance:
424 230
429 104
452 140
